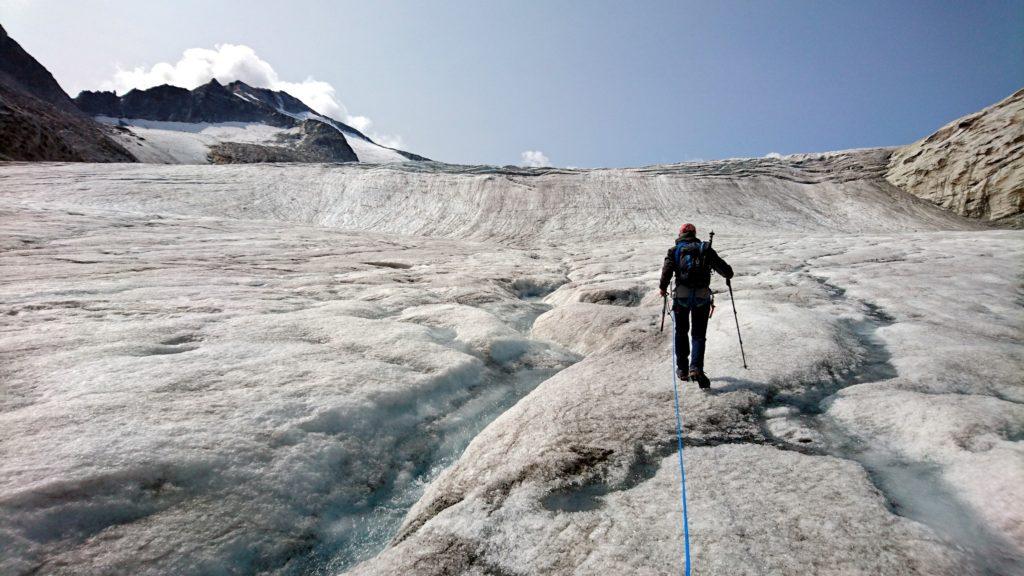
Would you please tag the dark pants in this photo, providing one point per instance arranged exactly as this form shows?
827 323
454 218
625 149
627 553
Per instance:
685 316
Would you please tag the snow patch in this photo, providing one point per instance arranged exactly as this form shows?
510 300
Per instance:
163 142
371 153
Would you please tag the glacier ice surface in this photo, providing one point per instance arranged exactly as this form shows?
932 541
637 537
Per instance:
288 369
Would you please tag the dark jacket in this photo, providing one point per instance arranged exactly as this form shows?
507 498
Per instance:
711 258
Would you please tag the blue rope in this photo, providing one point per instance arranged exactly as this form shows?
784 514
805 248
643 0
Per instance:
679 438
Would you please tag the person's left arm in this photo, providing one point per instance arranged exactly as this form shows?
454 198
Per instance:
718 264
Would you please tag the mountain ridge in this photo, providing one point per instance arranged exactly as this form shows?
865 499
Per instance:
210 102
236 101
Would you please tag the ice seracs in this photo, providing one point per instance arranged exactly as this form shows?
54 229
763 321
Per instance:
974 165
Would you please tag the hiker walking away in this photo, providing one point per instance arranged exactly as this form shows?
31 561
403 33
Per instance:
691 261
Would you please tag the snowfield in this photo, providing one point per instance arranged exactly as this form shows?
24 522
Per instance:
432 369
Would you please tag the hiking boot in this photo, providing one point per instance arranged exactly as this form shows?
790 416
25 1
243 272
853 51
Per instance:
700 378
682 375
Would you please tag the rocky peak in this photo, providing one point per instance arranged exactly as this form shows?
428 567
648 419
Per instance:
101 103
164 102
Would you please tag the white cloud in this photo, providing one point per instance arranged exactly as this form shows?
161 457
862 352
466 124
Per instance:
9 7
534 159
230 62
774 155
361 123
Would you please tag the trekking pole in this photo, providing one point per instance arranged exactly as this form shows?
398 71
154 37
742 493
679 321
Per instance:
711 240
728 283
664 304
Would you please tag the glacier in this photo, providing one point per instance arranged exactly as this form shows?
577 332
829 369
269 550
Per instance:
433 369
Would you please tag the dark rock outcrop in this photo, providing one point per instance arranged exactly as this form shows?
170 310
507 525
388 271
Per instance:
318 142
322 141
245 153
39 121
33 130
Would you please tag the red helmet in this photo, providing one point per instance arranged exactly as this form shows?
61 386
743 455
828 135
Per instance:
688 230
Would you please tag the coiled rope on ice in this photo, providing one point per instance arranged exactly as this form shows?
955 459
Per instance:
679 439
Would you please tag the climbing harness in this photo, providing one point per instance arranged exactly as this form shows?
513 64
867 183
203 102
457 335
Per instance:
679 439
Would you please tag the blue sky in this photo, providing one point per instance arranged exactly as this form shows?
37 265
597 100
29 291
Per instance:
584 83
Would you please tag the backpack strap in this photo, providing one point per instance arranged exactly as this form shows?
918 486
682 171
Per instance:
679 248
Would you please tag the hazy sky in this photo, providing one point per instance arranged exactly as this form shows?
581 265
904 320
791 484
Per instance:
580 83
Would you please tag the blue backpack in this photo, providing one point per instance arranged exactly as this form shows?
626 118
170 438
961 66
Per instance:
691 268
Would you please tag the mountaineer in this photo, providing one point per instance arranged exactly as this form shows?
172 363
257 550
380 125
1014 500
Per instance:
692 300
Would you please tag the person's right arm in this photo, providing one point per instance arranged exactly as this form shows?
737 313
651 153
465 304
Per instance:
667 268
